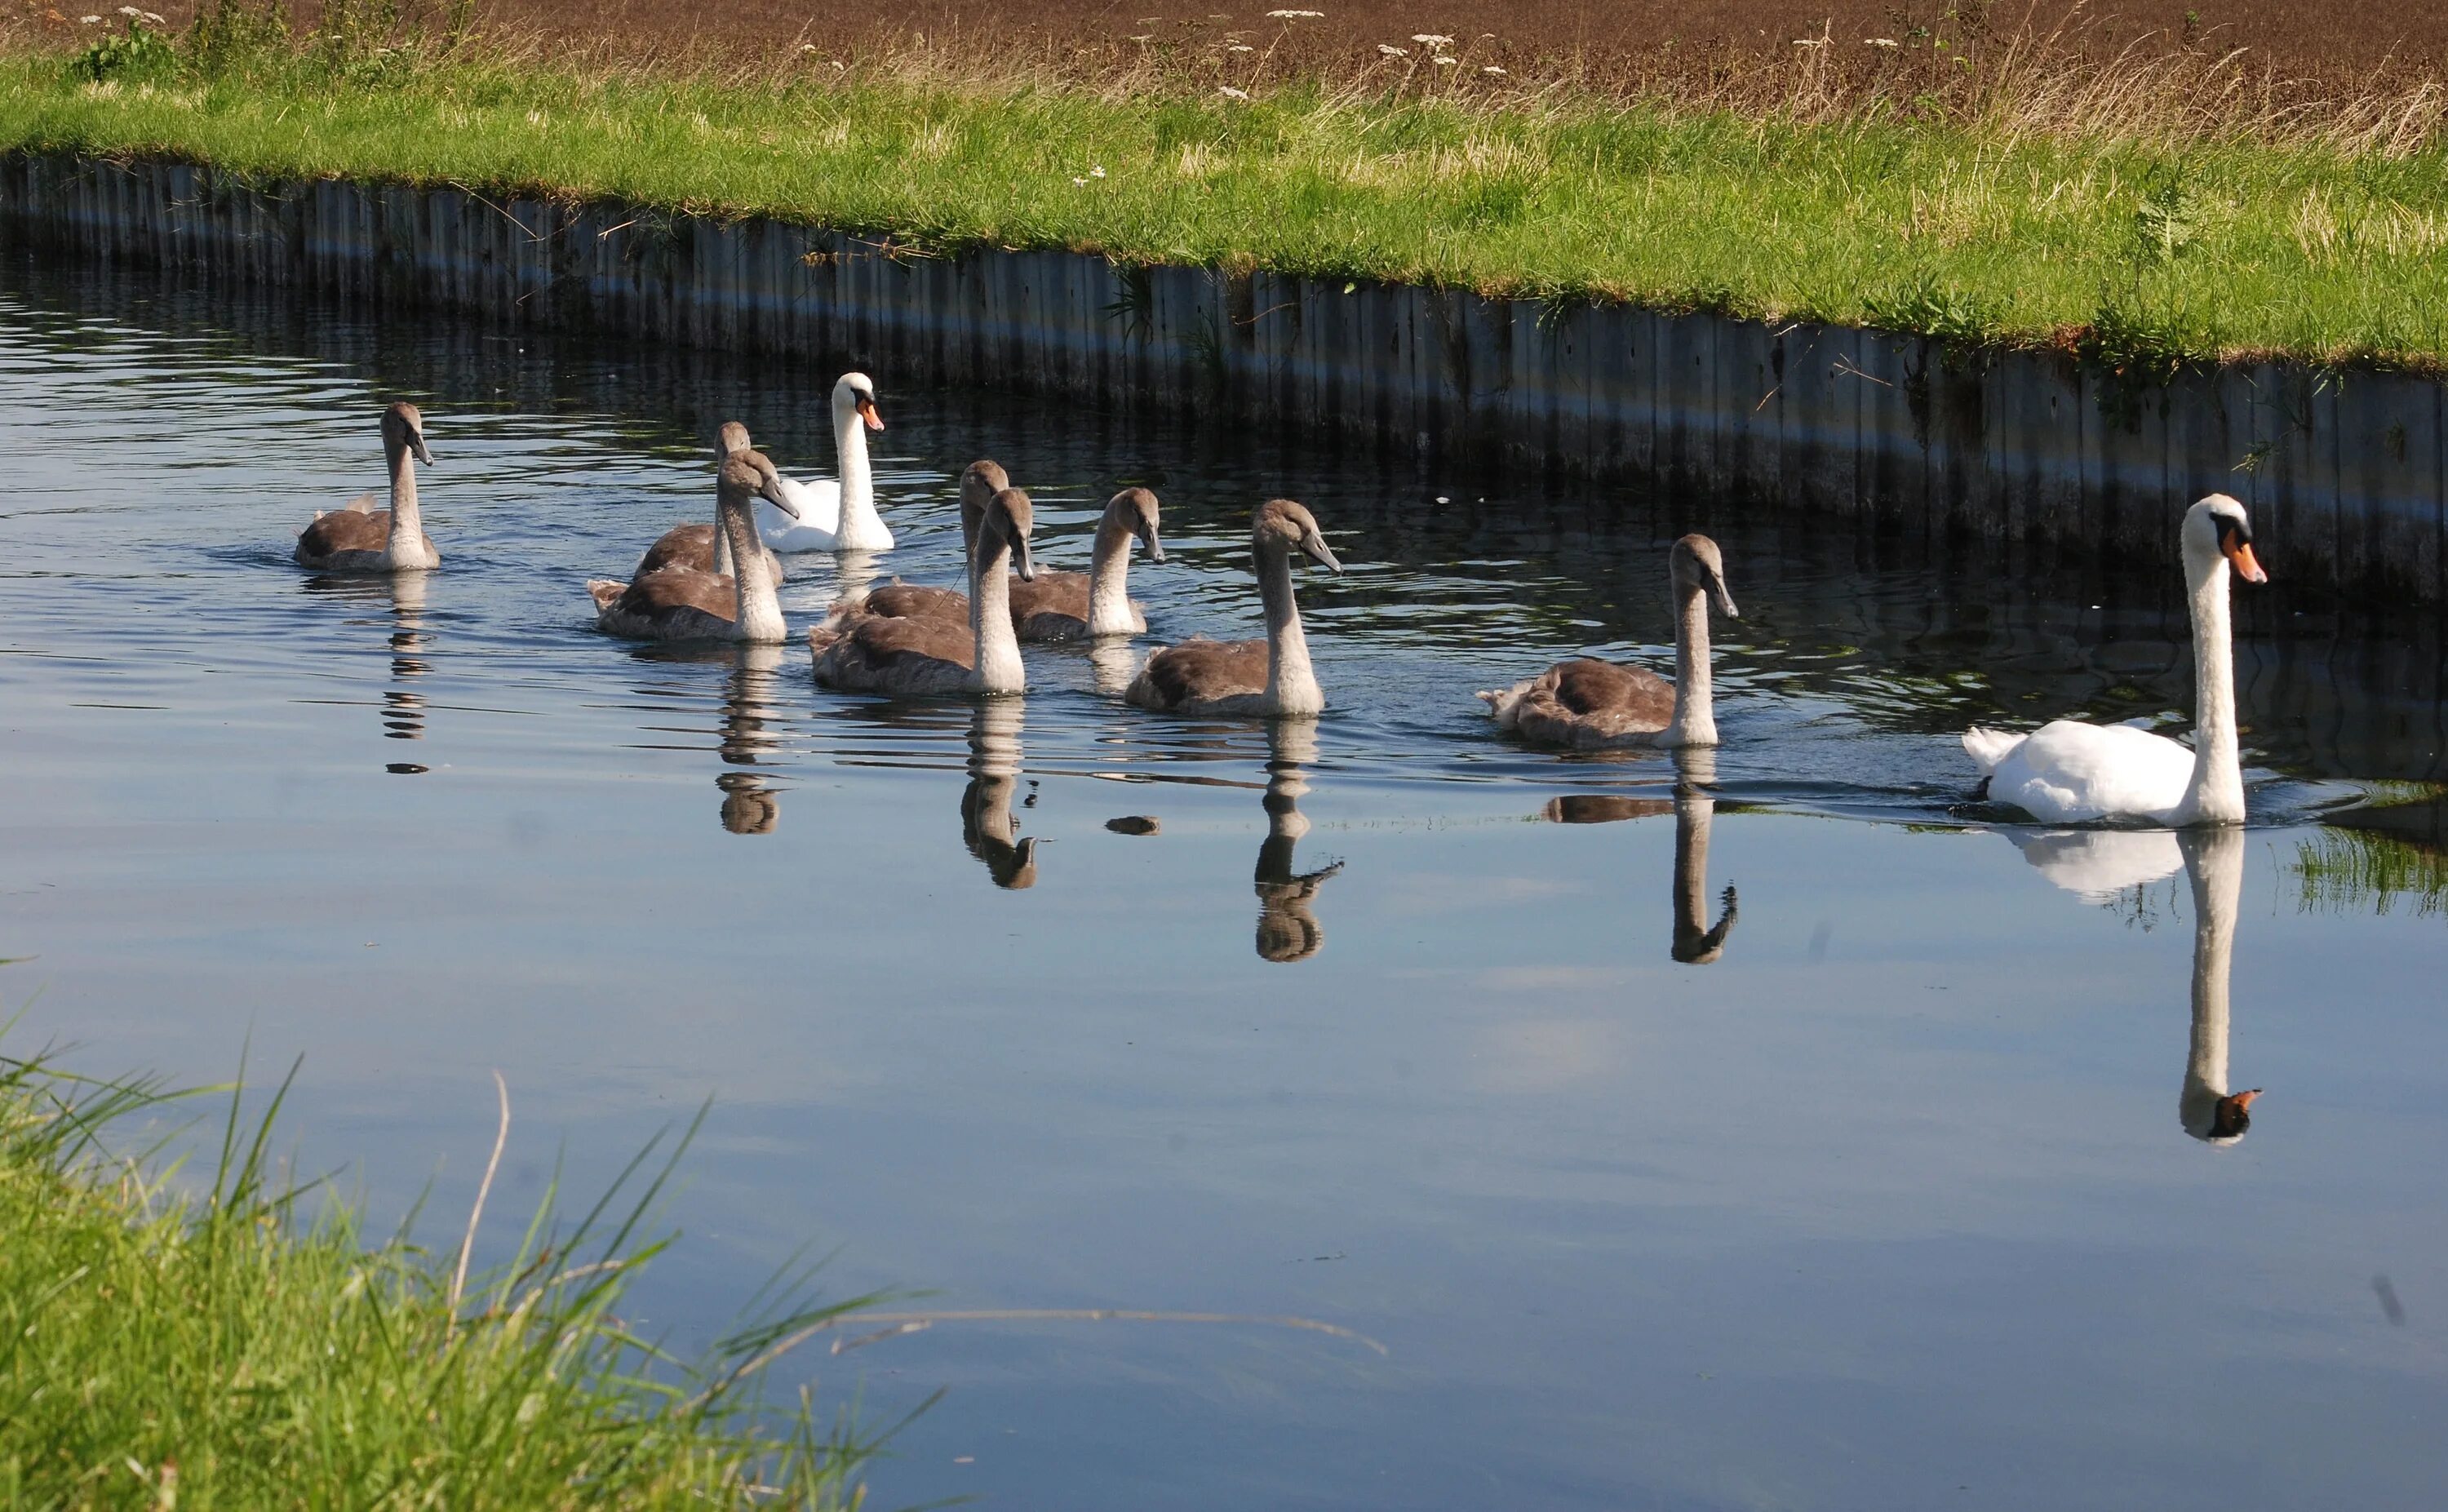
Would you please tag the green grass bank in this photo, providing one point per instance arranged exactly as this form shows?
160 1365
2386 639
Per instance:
219 1350
1985 224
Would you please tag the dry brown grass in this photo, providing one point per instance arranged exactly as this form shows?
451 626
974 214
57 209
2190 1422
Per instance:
2369 76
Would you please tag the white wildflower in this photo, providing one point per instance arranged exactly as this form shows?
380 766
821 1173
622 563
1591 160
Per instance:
1443 62
808 47
1393 52
1098 172
90 21
1231 93
1431 39
1491 68
1881 42
1298 15
156 18
1240 47
1081 182
130 11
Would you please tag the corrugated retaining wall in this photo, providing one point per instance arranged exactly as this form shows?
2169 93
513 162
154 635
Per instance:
2345 473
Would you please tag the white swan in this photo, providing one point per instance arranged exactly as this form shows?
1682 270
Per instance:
359 538
2071 773
836 515
1589 704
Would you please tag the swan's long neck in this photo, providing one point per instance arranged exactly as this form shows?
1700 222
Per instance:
2216 866
861 528
998 643
2216 794
722 565
1291 685
1695 714
1109 599
758 618
405 546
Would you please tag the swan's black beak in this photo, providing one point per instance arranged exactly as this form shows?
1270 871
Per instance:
1314 548
772 494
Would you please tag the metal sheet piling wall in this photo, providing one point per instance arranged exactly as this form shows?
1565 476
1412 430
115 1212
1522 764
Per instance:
2345 471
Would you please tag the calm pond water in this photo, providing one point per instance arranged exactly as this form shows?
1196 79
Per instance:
1896 1186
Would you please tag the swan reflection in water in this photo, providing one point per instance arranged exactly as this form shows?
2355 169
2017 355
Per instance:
1696 941
749 807
2104 865
404 708
1288 926
988 827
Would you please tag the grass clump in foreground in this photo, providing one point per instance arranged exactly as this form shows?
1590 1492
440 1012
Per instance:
221 1351
2143 214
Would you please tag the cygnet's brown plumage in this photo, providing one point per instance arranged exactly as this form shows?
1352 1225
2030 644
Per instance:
925 655
1075 606
1269 677
1586 703
979 481
684 603
360 538
695 547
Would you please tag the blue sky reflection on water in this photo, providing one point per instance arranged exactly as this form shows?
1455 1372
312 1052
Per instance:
1891 1205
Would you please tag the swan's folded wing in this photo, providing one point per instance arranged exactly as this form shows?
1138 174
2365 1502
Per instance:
350 530
2069 770
1063 593
1987 746
682 546
1202 671
874 650
819 506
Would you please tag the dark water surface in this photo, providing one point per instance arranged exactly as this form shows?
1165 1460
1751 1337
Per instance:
1891 1193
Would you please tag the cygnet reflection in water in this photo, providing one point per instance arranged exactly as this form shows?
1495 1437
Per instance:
749 807
1696 941
1288 926
988 827
403 707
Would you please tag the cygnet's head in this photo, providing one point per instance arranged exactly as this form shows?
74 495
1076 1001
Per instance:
732 437
1695 563
1286 524
2218 526
1010 515
1137 510
749 474
858 392
402 428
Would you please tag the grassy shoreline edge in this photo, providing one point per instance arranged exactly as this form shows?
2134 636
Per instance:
216 1345
2123 249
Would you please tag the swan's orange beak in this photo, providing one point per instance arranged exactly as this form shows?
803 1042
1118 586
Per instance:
867 413
2240 554
2244 1100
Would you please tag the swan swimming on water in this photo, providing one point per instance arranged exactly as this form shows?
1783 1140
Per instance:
979 481
829 514
2071 773
359 538
1265 678
683 603
1590 704
917 658
1052 606
704 547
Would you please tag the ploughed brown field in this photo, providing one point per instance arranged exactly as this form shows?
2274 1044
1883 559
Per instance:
1598 38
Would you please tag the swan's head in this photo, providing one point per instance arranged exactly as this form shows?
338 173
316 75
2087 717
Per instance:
1697 566
732 437
1135 511
1010 516
855 392
2217 526
746 475
1287 526
404 431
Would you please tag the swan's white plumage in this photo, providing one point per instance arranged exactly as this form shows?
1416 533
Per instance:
818 526
2067 772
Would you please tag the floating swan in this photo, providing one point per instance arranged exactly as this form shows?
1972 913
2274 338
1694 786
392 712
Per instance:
1588 704
681 603
2071 773
876 653
704 547
980 481
1079 606
1269 677
359 538
836 515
